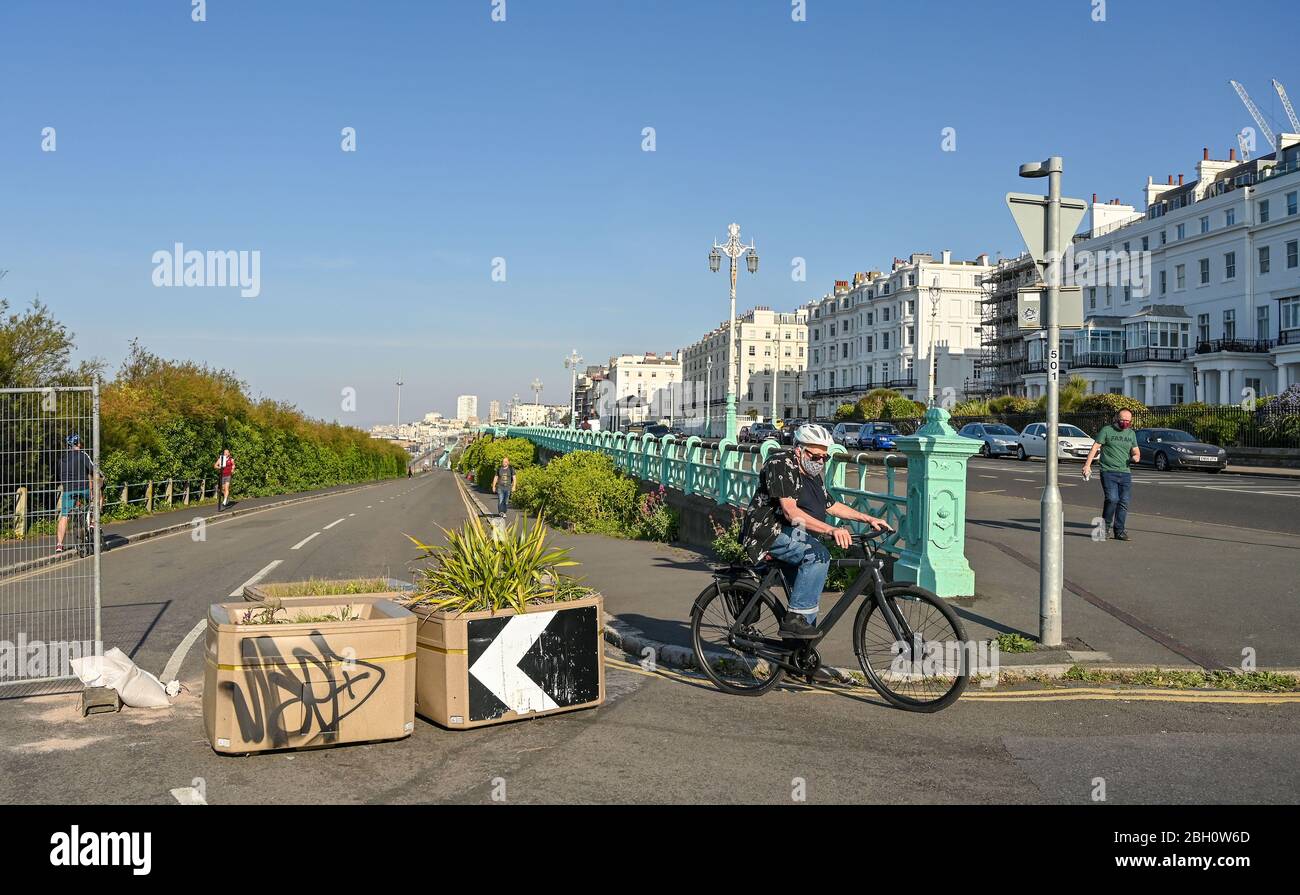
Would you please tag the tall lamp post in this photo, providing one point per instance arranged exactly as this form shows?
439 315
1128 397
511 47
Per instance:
935 295
733 248
400 383
572 362
1051 517
708 397
536 386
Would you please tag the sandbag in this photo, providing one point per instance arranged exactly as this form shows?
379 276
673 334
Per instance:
137 687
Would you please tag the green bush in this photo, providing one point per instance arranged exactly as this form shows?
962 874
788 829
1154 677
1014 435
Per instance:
581 490
844 412
1110 404
521 451
726 539
656 520
900 408
1010 404
970 407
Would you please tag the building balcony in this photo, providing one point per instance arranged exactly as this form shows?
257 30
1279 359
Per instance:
1097 359
1288 337
899 383
1154 355
836 392
1239 346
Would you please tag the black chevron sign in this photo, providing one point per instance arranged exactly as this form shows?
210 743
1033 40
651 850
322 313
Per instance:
533 662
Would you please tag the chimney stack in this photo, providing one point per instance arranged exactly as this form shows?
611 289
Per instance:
1170 181
1232 155
1205 154
1180 180
1094 198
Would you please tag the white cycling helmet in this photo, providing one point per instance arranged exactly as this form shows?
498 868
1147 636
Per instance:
813 434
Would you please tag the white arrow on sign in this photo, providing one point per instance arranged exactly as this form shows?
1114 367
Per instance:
498 667
1030 214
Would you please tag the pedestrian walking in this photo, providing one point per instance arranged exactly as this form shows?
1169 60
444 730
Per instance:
225 465
503 483
1117 445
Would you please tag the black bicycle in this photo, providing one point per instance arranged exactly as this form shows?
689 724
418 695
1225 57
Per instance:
910 644
81 526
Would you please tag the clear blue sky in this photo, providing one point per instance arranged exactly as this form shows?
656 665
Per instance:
523 140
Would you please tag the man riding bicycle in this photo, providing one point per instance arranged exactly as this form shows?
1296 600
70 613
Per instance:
788 511
76 470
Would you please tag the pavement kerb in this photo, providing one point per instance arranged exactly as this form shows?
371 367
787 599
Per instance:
139 536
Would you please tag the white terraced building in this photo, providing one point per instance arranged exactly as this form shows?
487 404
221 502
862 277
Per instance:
875 332
772 347
1220 318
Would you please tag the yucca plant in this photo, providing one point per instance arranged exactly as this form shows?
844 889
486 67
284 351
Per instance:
490 569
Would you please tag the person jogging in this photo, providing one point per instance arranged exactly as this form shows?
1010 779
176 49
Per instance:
225 464
76 472
503 483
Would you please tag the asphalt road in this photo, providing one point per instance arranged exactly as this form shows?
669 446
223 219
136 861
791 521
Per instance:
661 737
1225 498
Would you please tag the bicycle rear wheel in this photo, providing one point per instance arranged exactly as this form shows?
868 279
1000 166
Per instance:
734 669
925 675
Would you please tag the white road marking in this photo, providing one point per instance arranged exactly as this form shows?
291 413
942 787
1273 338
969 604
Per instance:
239 591
370 506
1025 480
334 523
983 476
350 515
298 545
173 666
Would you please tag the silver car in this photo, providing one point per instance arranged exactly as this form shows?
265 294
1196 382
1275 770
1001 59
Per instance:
998 439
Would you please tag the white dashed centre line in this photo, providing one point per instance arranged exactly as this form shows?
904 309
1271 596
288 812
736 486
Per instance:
298 545
334 523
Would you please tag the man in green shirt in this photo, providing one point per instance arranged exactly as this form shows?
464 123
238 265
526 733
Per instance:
1117 445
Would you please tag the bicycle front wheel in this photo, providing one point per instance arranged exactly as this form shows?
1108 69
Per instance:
735 667
927 673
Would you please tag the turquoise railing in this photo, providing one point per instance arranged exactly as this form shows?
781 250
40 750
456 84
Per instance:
727 473
929 517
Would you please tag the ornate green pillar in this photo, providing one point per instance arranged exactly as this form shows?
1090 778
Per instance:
935 530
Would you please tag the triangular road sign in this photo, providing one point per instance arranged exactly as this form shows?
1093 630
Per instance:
1030 214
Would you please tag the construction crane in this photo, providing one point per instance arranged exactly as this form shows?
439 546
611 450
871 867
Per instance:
1286 104
1245 149
1256 114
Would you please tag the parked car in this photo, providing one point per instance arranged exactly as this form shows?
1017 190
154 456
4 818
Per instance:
658 430
877 436
846 435
1072 442
1175 449
787 430
997 439
759 432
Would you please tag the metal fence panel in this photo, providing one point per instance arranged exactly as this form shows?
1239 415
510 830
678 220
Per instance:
49 602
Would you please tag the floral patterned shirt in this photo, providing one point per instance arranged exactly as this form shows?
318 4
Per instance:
780 477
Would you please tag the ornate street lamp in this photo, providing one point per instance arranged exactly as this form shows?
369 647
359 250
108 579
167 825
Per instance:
733 248
572 362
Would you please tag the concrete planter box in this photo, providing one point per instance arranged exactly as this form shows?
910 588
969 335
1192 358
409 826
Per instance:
479 668
304 685
258 593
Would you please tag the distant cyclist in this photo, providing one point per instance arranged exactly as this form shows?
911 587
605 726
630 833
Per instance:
76 472
788 511
225 464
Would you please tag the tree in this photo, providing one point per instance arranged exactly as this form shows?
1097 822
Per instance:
36 351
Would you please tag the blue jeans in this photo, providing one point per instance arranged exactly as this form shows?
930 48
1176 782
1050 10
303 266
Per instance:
1117 487
503 500
807 562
